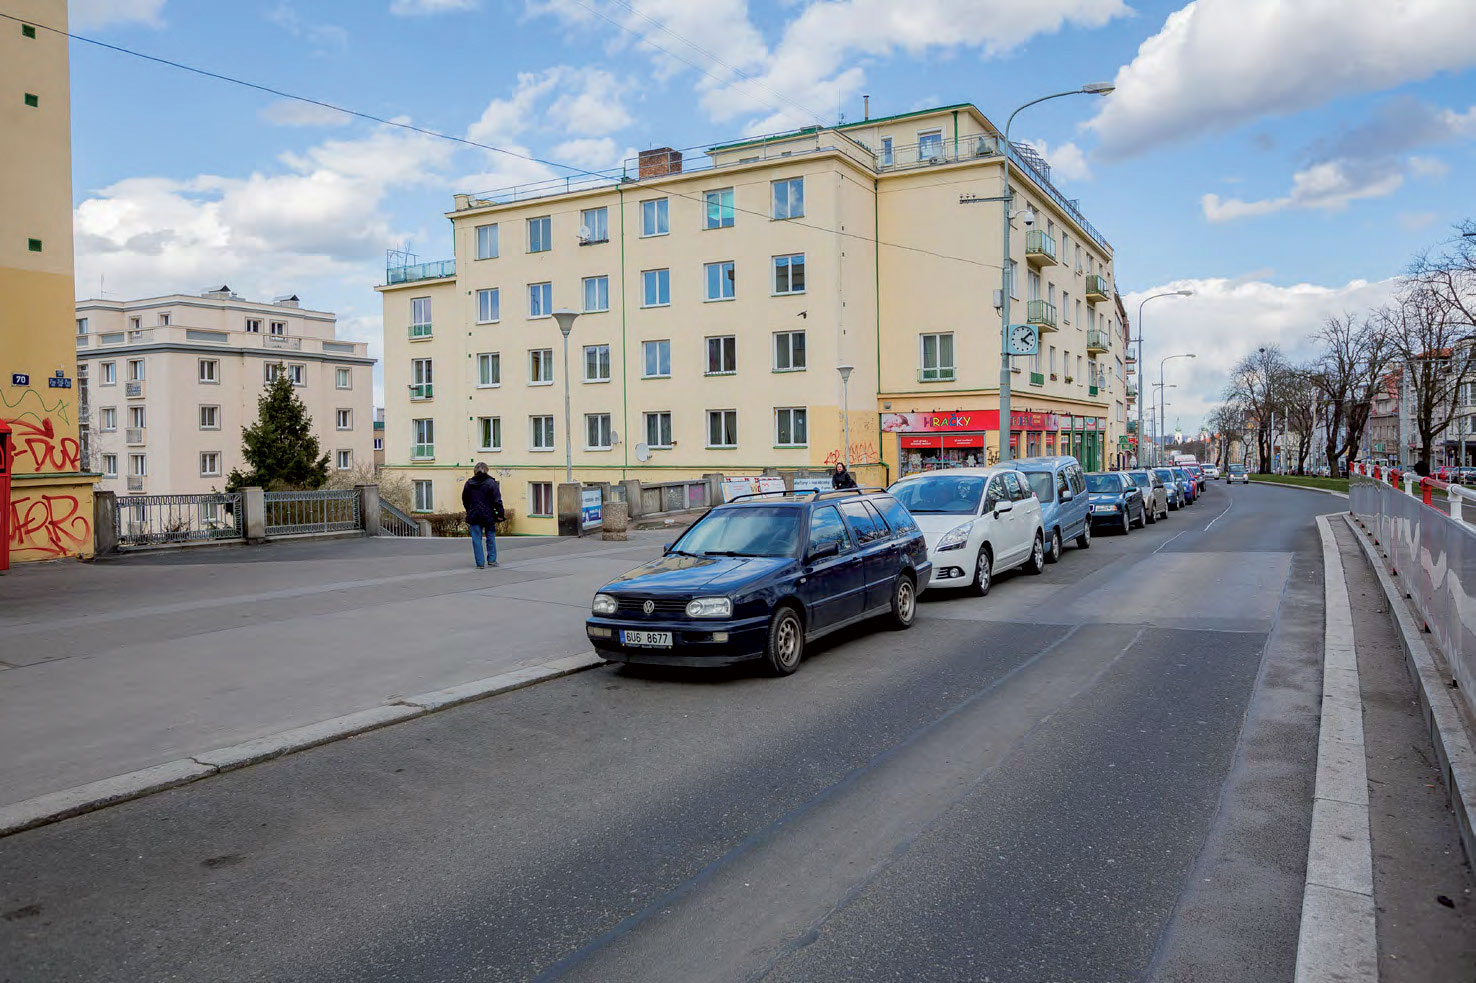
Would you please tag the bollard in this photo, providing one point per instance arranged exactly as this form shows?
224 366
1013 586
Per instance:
616 522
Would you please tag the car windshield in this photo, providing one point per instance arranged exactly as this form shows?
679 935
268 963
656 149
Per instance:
1103 483
956 494
750 530
1140 478
1164 473
1041 482
1237 469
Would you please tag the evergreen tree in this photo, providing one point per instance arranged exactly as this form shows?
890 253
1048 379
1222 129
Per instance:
280 449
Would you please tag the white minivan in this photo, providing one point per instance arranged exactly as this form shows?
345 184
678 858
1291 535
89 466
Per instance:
978 522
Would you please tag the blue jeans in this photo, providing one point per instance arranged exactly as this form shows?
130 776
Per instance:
490 554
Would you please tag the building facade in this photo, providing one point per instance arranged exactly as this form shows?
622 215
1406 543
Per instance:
172 381
50 510
717 297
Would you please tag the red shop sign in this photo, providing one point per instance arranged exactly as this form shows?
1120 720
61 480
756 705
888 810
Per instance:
963 440
913 441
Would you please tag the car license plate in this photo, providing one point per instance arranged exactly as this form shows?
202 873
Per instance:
1103 508
647 639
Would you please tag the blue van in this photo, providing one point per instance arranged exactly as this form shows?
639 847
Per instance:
1065 508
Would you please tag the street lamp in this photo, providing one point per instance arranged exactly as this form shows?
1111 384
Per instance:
1156 416
1166 293
1091 89
566 317
1161 404
845 374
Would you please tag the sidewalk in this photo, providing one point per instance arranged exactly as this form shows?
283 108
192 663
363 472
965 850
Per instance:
124 664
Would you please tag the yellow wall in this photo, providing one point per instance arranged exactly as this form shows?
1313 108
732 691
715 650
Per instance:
51 500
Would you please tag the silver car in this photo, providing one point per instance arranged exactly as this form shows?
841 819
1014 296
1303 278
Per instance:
1154 493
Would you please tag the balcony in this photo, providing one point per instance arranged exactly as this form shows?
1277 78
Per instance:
1037 378
1132 391
933 152
282 341
133 390
420 271
1040 248
420 332
1096 288
133 436
421 391
1041 313
1097 342
135 483
1131 358
423 452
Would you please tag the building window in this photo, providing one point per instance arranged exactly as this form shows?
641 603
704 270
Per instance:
135 370
722 355
655 288
597 363
489 370
540 498
81 325
209 464
722 428
424 500
343 419
657 359
719 209
164 318
487 241
110 465
658 429
929 144
719 280
489 430
542 433
253 325
34 245
789 274
425 439
790 426
345 460
422 378
28 31
32 100
343 378
137 418
540 238
278 328
596 294
273 372
789 198
109 418
379 443
541 367
420 317
597 433
885 158
135 323
594 225
489 305
210 418
540 299
298 374
789 351
1066 306
937 357
109 374
1034 281
209 369
653 218
1014 280
138 465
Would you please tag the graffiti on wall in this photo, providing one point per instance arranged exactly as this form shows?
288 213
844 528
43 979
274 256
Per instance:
48 525
33 433
862 452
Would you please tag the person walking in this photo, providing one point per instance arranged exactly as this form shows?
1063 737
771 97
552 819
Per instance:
482 499
843 478
1422 468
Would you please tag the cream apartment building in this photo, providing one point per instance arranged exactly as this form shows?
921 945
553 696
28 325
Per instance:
172 381
717 297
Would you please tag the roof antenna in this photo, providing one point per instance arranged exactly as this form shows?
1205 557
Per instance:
866 107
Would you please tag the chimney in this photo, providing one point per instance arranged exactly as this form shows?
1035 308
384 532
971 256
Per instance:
290 300
865 107
661 160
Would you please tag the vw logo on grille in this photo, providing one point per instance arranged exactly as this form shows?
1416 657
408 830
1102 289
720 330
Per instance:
648 607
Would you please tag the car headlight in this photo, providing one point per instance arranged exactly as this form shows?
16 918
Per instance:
710 607
956 537
604 604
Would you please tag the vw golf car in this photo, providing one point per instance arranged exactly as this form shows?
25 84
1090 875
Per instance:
1116 501
979 522
763 575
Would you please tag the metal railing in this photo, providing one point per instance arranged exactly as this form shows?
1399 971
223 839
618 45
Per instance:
1041 312
422 390
422 452
295 512
420 331
155 520
1096 286
420 271
133 436
282 341
393 522
135 482
133 390
936 152
1019 156
1098 340
1038 242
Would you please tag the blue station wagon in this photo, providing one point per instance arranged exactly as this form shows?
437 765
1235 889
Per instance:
759 577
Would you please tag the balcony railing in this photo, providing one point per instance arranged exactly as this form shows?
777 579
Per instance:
1042 313
282 341
1037 378
133 436
1132 391
944 374
1097 341
422 452
933 152
1040 247
133 390
422 390
1096 288
419 331
420 271
135 483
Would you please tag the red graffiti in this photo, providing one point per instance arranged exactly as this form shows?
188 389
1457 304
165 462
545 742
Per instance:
52 525
862 452
46 451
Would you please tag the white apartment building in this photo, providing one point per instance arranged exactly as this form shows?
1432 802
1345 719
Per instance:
169 384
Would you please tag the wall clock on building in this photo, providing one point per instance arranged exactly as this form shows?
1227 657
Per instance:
1023 339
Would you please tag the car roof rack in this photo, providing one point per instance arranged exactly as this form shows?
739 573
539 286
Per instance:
762 494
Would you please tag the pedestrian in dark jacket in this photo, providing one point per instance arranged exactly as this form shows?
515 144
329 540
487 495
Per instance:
1422 468
482 500
843 478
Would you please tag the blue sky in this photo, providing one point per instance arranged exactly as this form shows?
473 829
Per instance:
1282 158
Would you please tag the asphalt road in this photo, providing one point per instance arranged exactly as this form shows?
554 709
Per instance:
1103 773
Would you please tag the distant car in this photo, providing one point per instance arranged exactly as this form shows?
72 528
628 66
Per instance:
1155 495
760 577
1191 490
1237 472
979 522
1116 501
1173 487
1197 473
1211 470
1064 510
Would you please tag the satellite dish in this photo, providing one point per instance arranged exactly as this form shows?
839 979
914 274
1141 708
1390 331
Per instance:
614 437
643 453
584 233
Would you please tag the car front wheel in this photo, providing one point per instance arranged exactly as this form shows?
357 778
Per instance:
983 574
1036 563
1127 521
904 602
786 643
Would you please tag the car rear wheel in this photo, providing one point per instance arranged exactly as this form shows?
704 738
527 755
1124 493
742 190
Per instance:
904 602
1150 513
1127 521
983 572
1053 555
1036 563
786 643
1142 516
1084 541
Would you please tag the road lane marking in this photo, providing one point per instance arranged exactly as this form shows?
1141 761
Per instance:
1219 517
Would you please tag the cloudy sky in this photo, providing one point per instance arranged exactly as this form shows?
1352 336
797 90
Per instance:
1282 158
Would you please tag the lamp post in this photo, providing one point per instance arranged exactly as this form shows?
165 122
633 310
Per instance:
1166 293
1092 89
1161 364
845 374
1158 420
566 317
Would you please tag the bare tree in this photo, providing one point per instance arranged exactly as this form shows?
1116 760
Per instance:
1257 386
393 487
1227 423
1298 392
1355 356
1431 335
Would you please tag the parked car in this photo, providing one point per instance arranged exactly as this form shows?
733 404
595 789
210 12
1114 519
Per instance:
1211 470
1187 484
1237 472
1174 488
1064 510
979 522
762 576
1116 500
1155 495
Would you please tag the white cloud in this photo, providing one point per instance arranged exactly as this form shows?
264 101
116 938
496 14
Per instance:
99 13
325 36
1415 221
1217 64
593 153
291 112
414 8
1067 161
1430 167
1330 186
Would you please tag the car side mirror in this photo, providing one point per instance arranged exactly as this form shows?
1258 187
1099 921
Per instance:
823 550
1066 496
